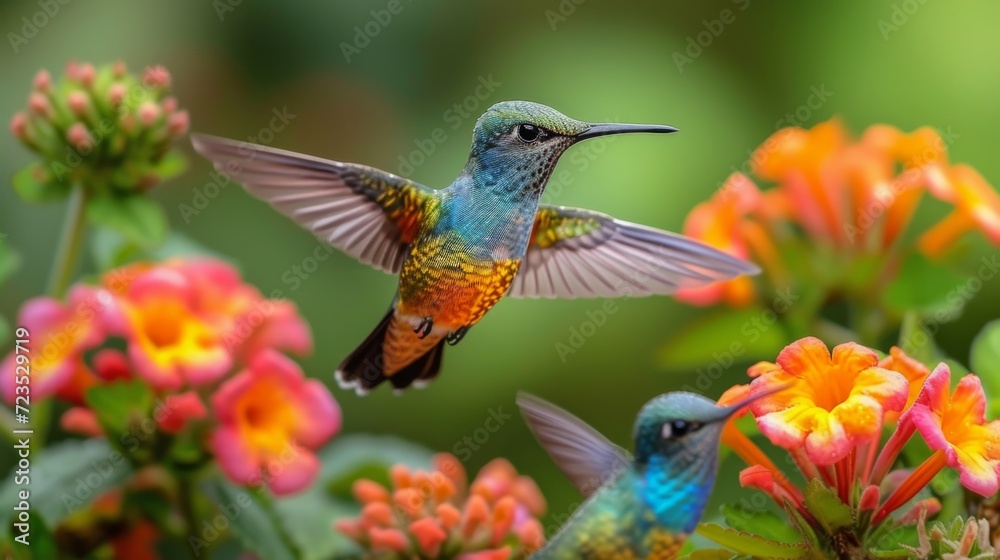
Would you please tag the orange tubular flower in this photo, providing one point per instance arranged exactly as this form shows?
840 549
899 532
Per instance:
835 402
914 372
720 223
805 162
954 426
977 206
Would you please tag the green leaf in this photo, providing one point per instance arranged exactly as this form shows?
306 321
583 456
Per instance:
826 507
917 341
760 522
119 406
307 516
35 184
985 355
138 218
5 330
751 545
178 245
747 335
925 287
171 165
111 249
712 554
65 478
252 520
984 359
10 261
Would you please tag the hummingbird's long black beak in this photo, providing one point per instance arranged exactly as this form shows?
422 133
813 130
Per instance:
727 411
596 130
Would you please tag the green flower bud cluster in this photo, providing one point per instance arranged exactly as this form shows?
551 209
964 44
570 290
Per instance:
101 128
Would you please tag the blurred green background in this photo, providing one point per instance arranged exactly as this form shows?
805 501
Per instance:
906 63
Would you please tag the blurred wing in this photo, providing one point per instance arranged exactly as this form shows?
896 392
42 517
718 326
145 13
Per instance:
586 457
575 253
369 214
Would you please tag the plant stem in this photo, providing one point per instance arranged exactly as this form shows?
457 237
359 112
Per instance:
67 256
187 507
70 243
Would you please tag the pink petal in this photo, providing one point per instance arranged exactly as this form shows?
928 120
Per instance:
322 412
929 426
236 458
228 394
282 329
207 366
291 471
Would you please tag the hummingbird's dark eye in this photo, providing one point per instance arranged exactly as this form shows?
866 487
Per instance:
528 132
679 428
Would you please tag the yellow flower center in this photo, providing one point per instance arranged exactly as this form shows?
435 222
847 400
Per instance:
266 419
169 333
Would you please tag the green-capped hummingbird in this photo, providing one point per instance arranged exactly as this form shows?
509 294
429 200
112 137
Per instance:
459 249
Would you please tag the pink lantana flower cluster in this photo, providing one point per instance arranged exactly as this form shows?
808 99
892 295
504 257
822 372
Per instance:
208 346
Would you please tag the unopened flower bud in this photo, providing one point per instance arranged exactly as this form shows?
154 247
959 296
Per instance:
19 126
40 105
156 76
870 498
149 112
87 74
43 81
78 137
116 94
169 105
73 70
178 123
78 103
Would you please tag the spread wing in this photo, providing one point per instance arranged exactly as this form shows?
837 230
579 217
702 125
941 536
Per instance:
576 253
586 457
369 214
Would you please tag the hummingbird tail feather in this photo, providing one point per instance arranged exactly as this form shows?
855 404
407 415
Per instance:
392 352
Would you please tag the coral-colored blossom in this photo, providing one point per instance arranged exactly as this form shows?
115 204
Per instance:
57 336
915 373
424 510
719 223
169 342
270 419
954 425
189 322
835 403
835 201
977 207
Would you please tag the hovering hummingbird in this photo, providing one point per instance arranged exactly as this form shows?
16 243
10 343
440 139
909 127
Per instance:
636 507
459 249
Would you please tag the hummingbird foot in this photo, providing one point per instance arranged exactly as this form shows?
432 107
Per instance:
425 326
457 336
